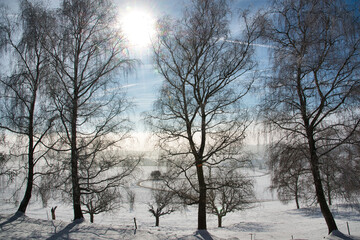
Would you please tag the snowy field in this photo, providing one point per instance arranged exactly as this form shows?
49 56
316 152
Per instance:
269 219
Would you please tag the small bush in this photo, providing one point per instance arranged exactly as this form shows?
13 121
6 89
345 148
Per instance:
156 175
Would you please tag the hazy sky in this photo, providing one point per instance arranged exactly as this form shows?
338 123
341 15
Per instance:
142 85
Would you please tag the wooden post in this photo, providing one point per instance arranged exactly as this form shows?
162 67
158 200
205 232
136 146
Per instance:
347 224
53 212
135 223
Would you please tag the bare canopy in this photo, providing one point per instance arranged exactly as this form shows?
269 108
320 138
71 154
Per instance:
199 118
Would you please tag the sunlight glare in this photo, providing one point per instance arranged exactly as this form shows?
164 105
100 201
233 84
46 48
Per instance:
138 27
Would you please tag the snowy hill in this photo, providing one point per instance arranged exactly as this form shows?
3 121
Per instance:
269 219
23 227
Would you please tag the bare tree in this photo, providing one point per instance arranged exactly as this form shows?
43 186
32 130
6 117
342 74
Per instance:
44 190
291 175
101 177
331 169
98 202
341 177
7 171
85 50
23 102
198 117
229 191
315 51
163 201
350 183
290 172
3 162
130 194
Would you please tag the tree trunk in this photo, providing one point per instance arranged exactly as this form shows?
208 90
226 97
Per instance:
202 198
219 221
30 178
157 220
76 189
325 210
297 196
74 161
91 217
297 201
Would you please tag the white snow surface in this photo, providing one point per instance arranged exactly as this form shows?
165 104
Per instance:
269 219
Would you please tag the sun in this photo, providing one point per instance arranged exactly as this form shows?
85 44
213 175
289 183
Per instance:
138 27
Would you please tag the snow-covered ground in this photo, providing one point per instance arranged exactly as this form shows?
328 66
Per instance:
269 219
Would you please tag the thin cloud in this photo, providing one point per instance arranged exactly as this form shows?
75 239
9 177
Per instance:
130 85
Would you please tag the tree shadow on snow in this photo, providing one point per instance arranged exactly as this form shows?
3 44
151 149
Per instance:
309 212
347 212
340 212
203 234
65 232
14 223
250 227
13 218
92 231
342 236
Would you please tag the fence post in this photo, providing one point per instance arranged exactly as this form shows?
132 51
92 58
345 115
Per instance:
135 223
53 212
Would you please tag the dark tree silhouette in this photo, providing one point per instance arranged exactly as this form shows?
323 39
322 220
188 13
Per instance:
198 118
163 202
85 50
100 179
105 201
229 191
315 52
290 172
23 102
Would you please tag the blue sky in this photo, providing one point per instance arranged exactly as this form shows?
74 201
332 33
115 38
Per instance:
142 84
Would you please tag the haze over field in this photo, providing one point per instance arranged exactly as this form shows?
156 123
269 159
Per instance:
269 219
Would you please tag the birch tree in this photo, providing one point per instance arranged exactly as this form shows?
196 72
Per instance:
24 111
199 118
315 53
86 50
